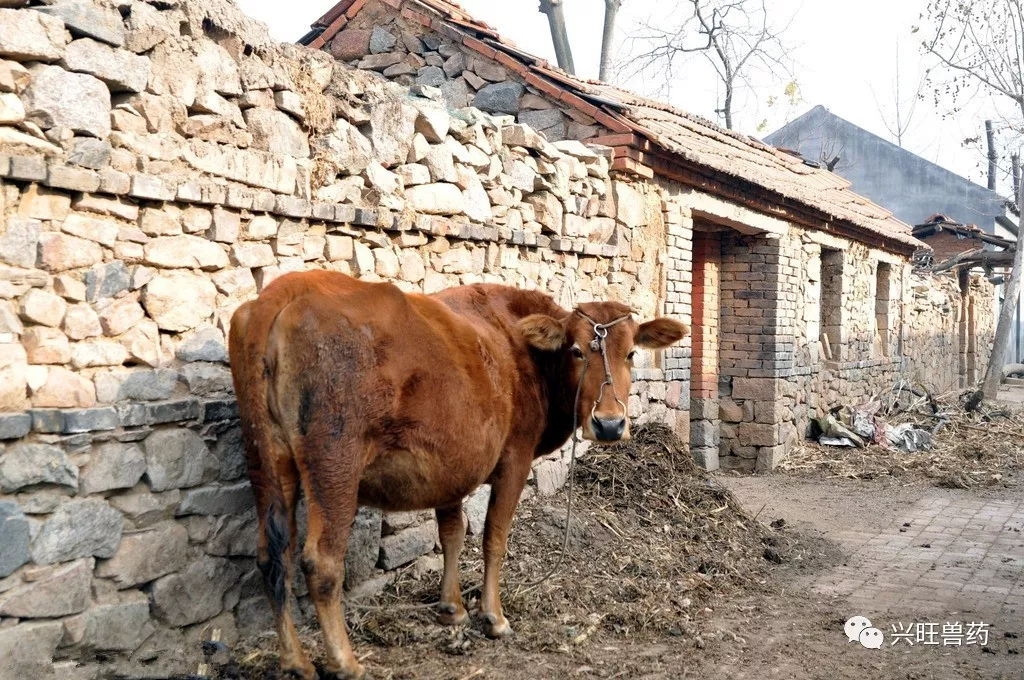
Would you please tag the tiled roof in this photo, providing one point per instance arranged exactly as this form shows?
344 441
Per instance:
651 137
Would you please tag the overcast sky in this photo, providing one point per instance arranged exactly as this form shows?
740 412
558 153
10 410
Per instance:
843 54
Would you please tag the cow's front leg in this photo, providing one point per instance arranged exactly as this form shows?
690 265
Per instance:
451 529
506 487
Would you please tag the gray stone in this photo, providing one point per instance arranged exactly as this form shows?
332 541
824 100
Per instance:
475 507
58 98
15 425
113 466
144 509
14 537
49 421
456 93
147 27
177 458
381 41
27 649
79 528
431 75
230 499
551 122
392 126
88 19
27 464
455 65
19 242
119 69
499 97
196 593
406 545
235 536
148 385
89 420
147 555
106 281
111 627
51 592
230 451
276 132
172 411
204 344
363 546
27 36
205 379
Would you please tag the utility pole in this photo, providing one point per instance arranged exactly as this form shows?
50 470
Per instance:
990 137
611 10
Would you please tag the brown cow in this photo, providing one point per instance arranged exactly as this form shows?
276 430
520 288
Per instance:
357 393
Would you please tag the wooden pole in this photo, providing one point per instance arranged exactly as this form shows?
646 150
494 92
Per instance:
990 137
1007 317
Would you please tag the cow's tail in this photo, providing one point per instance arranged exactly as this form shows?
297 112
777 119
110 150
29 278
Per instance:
247 345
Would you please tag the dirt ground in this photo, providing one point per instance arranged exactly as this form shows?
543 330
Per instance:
653 588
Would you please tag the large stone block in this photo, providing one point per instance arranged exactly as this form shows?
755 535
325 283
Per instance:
758 434
64 389
757 389
194 594
27 649
51 592
13 377
29 464
177 458
276 132
228 499
234 536
19 242
180 301
41 307
113 466
106 281
29 36
14 537
185 251
407 545
144 509
499 97
550 476
121 70
58 98
206 343
88 19
60 252
436 199
101 231
111 627
147 555
351 44
78 528
46 346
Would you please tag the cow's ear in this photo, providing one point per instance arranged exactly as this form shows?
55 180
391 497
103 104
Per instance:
543 332
660 333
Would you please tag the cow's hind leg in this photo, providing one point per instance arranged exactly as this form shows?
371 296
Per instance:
451 529
277 536
330 477
506 486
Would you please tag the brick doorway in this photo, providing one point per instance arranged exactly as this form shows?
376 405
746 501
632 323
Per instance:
706 297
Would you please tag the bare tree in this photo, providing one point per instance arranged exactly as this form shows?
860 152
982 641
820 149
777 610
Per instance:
736 37
981 44
559 36
611 12
904 108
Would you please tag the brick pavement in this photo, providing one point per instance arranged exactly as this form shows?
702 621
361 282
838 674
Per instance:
944 553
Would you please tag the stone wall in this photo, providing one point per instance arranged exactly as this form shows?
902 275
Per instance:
159 165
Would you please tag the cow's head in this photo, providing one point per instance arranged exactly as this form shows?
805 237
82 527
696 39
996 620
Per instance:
601 408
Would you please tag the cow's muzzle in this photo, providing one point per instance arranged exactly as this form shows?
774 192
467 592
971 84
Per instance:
608 429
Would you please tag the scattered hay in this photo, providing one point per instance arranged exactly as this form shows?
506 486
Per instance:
974 445
655 541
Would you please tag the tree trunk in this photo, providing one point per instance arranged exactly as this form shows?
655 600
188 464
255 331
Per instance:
727 109
611 10
1015 174
559 37
1007 314
990 137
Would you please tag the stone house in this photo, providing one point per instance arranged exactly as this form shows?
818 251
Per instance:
796 288
162 163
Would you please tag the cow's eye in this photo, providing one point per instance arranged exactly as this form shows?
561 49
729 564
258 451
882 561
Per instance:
631 355
577 352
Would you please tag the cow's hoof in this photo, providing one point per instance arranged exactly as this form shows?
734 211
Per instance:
355 672
299 673
496 626
452 614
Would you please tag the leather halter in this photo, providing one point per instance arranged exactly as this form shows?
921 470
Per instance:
598 345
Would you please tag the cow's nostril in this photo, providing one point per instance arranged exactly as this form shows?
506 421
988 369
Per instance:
608 429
